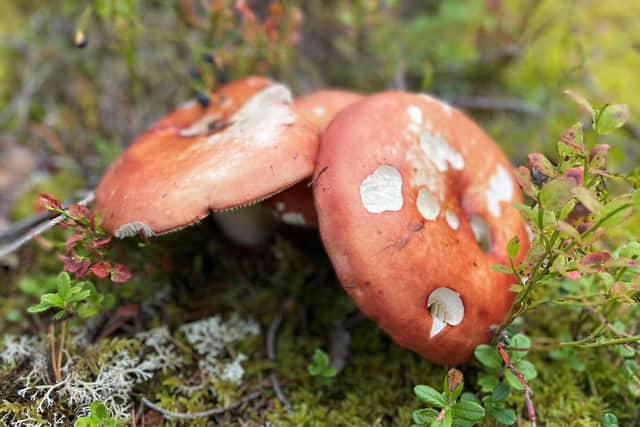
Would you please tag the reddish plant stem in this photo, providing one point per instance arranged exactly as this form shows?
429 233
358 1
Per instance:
527 390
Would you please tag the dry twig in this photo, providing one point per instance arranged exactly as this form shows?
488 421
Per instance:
271 354
201 414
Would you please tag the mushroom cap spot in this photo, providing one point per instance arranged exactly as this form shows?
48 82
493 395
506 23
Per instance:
415 114
436 148
427 204
382 190
452 219
280 206
481 232
132 229
293 218
437 326
445 306
500 189
199 127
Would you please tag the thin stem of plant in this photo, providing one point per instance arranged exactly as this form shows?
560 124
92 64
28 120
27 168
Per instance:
202 414
271 354
13 246
527 390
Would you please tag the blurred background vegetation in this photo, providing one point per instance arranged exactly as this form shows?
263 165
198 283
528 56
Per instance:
66 111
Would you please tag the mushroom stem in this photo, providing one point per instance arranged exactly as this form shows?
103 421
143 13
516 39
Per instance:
248 226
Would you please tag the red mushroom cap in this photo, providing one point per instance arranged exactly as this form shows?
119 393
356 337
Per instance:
402 177
248 144
295 205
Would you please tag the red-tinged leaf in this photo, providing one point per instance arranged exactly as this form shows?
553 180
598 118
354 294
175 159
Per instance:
120 273
573 275
598 156
100 242
101 269
584 226
80 211
49 202
541 168
596 258
523 175
567 229
573 138
576 174
72 240
76 265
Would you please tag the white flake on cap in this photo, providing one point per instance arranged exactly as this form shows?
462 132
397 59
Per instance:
452 219
260 119
382 190
428 205
446 308
201 126
481 232
500 189
448 109
436 148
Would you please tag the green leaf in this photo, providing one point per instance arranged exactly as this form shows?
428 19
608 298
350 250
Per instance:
430 396
54 300
502 415
488 382
469 396
519 341
526 368
513 247
555 194
609 420
64 284
82 422
488 356
588 199
39 308
79 297
98 411
468 411
501 268
610 118
501 392
59 315
446 421
424 416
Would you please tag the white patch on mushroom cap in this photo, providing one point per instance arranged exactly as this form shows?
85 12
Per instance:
201 126
436 148
500 189
481 232
452 219
293 218
382 190
448 109
415 114
446 308
428 205
319 110
280 206
260 119
132 229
